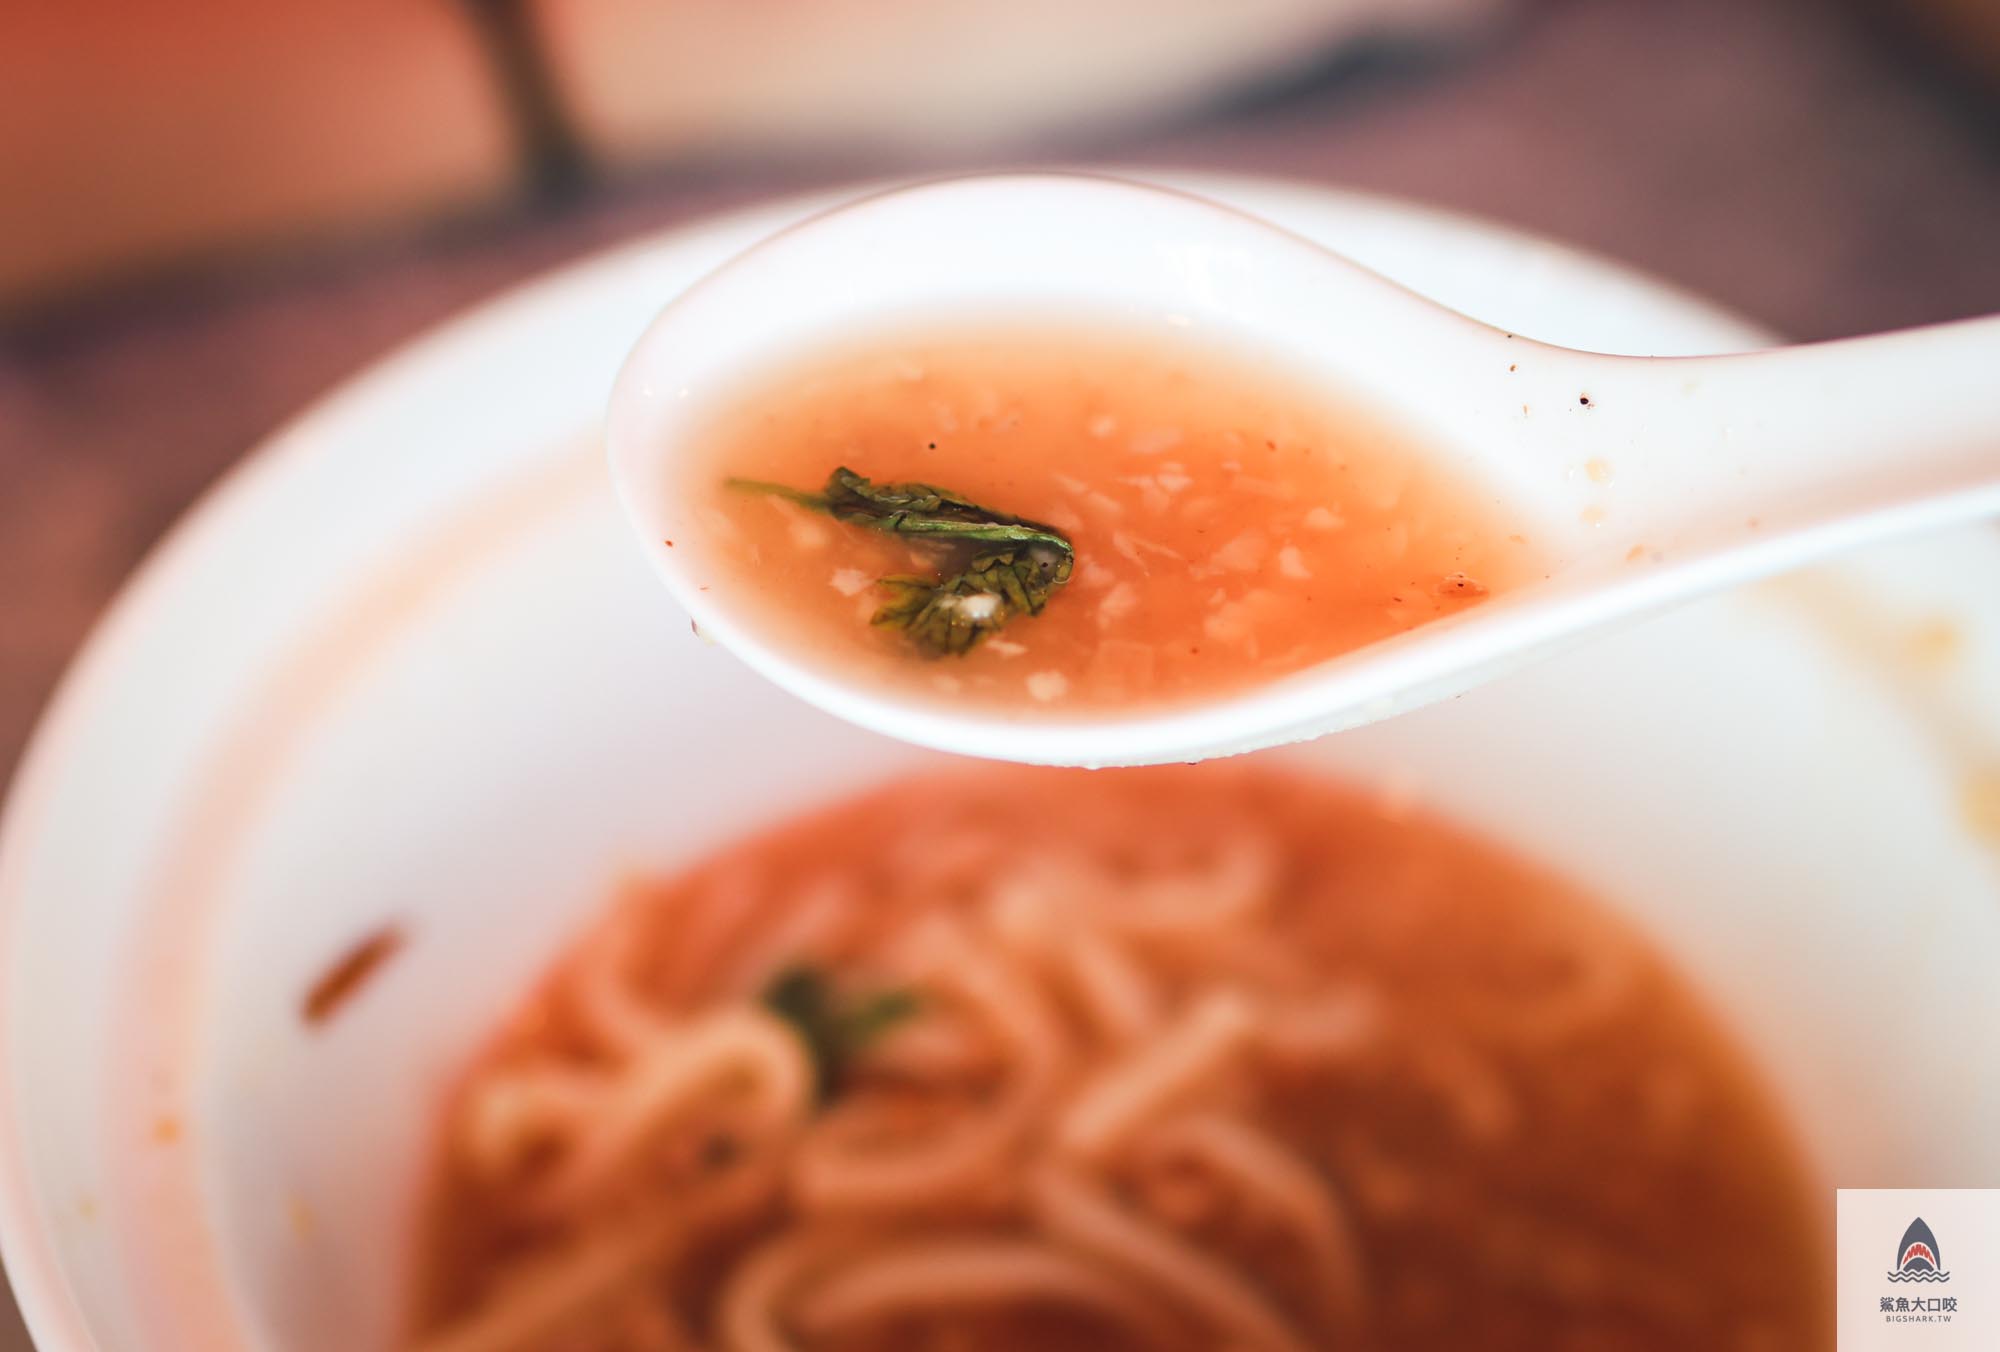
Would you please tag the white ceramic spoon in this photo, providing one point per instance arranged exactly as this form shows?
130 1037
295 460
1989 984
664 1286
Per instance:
1641 481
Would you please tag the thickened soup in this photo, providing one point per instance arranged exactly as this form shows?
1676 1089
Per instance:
1182 1060
1077 518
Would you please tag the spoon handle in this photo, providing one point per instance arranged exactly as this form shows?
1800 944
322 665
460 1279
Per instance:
1827 445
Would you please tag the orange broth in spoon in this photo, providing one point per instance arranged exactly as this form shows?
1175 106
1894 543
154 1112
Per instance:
1231 523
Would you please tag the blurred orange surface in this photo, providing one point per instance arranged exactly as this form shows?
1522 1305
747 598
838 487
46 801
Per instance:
133 131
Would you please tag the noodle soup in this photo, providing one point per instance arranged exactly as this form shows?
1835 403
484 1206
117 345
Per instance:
1176 520
1179 1059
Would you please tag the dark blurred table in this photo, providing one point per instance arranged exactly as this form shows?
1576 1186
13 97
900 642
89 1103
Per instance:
1787 158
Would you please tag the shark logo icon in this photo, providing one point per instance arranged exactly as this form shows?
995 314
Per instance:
1918 1258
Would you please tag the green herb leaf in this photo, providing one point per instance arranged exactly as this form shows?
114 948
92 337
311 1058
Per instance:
1019 567
834 1034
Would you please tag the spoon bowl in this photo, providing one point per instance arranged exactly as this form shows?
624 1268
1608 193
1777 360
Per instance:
1638 481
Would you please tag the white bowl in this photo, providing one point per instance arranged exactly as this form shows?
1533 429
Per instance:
406 667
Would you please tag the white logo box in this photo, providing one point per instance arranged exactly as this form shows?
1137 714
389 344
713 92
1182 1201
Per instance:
1918 1268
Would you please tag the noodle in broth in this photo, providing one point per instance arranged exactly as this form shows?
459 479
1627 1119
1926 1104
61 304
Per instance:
1179 1059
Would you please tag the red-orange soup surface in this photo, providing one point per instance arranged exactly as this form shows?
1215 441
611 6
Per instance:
1232 524
1182 1060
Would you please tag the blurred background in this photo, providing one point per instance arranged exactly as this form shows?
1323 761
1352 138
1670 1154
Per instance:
211 211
